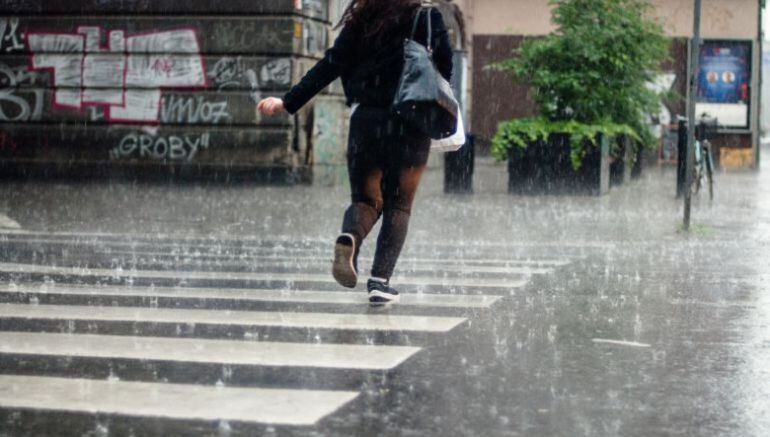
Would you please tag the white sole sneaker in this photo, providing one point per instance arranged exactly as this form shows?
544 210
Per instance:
343 268
379 297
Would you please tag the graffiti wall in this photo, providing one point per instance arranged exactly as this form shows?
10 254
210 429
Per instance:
149 81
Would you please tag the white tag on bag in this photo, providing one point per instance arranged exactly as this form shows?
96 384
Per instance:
452 143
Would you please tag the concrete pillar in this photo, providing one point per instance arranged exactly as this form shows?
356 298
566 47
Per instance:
157 85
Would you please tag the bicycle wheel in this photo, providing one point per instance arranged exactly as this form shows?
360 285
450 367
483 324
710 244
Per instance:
697 174
709 172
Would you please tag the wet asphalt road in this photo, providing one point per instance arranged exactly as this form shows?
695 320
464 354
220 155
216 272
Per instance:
596 316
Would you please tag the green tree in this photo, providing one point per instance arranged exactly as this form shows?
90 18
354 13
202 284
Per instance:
592 71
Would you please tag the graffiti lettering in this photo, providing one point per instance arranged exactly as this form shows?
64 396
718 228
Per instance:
96 113
229 73
9 35
233 73
126 77
276 72
163 66
19 104
161 147
241 34
192 110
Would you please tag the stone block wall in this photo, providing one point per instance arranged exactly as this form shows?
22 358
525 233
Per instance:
156 84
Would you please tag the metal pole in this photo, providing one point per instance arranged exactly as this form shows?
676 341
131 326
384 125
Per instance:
692 95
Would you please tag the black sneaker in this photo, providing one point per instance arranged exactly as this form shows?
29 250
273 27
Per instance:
344 269
380 292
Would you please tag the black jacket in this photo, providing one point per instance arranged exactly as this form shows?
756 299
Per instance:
370 74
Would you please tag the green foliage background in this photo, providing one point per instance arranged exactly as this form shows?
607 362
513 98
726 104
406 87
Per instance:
589 76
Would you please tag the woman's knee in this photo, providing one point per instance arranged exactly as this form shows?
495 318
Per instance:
375 204
403 196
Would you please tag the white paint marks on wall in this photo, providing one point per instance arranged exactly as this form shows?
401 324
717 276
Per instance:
60 53
193 110
10 39
161 147
236 73
20 98
127 76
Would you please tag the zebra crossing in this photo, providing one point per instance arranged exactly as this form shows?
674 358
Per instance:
253 331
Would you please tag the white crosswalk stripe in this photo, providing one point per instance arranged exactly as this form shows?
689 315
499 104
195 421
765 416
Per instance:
321 263
101 324
293 296
408 261
365 322
215 275
343 356
176 401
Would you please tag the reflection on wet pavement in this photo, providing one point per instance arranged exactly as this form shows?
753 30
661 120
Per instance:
553 315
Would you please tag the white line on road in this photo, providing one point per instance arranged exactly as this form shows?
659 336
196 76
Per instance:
175 401
247 276
249 353
177 239
620 342
281 253
280 256
364 322
235 294
321 263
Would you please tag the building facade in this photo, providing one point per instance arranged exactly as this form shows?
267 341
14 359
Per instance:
729 80
170 86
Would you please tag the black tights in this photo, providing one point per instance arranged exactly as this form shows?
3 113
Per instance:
385 161
395 211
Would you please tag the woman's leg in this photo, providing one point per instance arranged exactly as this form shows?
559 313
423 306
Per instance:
366 206
400 189
365 173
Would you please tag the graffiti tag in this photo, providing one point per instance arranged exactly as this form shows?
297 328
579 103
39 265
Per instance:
126 77
19 104
10 40
160 147
192 110
233 73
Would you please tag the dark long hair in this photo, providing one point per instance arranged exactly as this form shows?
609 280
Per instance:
375 18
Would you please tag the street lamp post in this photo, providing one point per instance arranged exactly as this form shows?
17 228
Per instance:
692 95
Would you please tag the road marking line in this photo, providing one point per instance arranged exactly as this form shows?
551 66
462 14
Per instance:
620 342
8 223
322 263
281 253
229 352
292 296
246 276
174 401
277 255
318 241
363 322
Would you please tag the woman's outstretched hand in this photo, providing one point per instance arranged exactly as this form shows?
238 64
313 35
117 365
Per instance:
271 106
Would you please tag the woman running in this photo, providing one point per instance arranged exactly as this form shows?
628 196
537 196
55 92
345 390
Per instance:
386 159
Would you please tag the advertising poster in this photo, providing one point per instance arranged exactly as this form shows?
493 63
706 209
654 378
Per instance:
723 82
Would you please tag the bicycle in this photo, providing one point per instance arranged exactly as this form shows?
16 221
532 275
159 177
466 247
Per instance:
704 164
